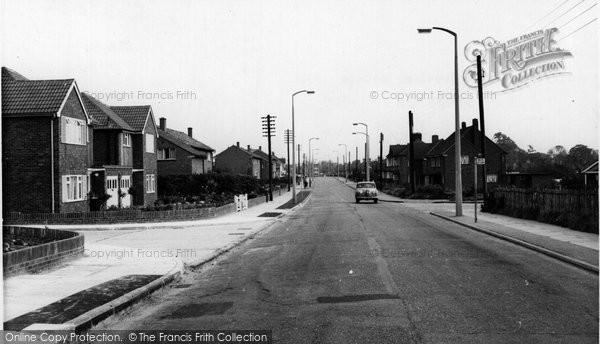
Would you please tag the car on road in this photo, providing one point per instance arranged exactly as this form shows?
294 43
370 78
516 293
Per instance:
366 191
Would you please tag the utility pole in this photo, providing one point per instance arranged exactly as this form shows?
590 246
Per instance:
482 124
356 169
411 153
268 124
366 162
288 140
380 158
300 167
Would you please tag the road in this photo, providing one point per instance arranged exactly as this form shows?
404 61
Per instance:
339 272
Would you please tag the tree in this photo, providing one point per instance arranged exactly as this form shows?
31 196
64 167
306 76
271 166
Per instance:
581 156
505 142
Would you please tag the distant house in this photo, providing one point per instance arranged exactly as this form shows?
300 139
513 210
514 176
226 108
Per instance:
529 180
179 153
439 160
590 175
143 141
237 160
112 170
47 145
264 163
397 161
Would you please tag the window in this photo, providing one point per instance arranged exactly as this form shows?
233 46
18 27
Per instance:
150 143
74 188
127 139
73 131
166 154
125 183
464 160
492 178
150 183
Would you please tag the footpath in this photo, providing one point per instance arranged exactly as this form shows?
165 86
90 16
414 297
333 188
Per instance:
125 262
574 247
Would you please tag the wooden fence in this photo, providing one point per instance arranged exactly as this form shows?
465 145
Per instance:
562 207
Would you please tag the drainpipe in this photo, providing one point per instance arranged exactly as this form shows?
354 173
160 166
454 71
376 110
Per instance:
52 158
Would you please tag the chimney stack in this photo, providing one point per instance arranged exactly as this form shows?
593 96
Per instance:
248 147
260 148
434 138
417 136
475 123
238 144
163 123
190 131
463 125
474 132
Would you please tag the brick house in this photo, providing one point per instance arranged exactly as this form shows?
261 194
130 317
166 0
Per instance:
179 153
47 145
264 162
112 169
439 160
237 160
397 167
143 142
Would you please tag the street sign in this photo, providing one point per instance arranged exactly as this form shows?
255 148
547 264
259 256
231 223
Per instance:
480 161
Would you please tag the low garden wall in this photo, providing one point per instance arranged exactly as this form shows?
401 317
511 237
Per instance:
64 245
125 216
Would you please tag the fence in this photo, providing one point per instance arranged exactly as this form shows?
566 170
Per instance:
569 208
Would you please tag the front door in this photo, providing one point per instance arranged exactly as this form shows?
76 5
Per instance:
112 190
125 185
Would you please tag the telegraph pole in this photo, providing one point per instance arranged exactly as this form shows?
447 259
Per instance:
411 152
380 158
482 124
268 124
288 140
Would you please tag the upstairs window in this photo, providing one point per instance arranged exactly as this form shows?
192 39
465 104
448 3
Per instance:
166 154
150 143
127 139
74 131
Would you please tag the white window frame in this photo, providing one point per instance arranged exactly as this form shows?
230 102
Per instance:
126 140
150 144
74 188
165 154
75 131
464 160
150 183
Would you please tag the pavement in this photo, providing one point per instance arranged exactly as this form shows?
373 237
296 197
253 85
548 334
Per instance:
578 248
133 258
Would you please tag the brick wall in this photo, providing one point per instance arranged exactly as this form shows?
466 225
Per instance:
180 165
26 164
67 245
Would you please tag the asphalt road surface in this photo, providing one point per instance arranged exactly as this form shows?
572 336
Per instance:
339 272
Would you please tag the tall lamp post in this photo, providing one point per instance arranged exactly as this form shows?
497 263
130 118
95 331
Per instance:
367 149
310 172
457 153
294 144
312 162
345 154
337 163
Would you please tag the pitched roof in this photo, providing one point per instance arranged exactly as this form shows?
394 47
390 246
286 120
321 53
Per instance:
260 154
187 143
397 150
592 169
10 75
103 115
34 97
135 116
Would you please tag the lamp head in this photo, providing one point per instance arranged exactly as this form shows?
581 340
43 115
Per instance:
310 92
424 30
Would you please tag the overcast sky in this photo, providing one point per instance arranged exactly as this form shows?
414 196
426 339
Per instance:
236 61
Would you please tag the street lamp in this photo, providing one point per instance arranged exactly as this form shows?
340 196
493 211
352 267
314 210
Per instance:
310 173
345 154
457 151
367 150
312 163
294 144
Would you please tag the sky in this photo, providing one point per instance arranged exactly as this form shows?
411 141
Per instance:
219 66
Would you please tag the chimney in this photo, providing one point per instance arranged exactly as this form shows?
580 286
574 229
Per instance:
163 123
248 147
238 144
463 125
260 148
475 124
417 137
190 132
434 138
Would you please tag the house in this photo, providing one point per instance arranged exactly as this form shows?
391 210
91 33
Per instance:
143 147
529 180
47 143
264 163
397 161
237 160
179 153
590 176
112 168
439 161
